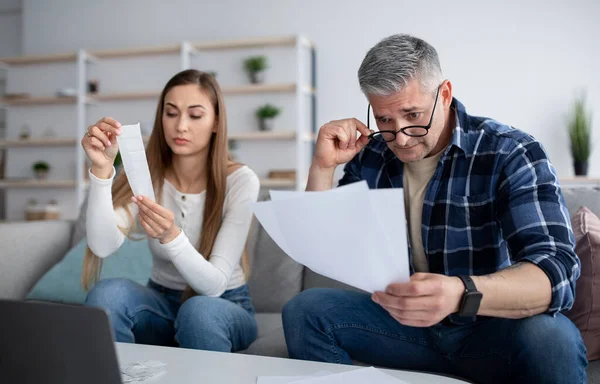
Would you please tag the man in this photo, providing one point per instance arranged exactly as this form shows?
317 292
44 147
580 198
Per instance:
491 247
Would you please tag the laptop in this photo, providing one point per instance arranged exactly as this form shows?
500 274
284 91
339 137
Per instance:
56 343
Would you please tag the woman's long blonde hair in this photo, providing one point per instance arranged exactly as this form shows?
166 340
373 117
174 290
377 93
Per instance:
160 159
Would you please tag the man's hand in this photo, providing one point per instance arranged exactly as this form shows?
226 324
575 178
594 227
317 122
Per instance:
338 142
424 301
157 221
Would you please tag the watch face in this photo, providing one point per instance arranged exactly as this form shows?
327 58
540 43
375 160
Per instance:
470 304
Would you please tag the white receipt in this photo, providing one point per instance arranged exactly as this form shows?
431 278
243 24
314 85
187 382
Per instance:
133 154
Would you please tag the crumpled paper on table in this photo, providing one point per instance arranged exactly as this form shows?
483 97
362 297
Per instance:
139 372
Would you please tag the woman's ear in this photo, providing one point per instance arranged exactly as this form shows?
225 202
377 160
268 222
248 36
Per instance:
216 125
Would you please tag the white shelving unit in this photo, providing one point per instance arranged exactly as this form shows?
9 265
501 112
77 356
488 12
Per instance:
2 135
296 134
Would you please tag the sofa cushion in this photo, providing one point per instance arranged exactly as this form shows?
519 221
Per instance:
274 278
582 197
28 250
62 283
586 310
79 224
270 340
314 280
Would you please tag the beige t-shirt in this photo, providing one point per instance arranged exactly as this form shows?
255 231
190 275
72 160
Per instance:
416 178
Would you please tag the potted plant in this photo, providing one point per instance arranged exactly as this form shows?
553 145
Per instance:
118 161
265 115
255 67
41 169
232 147
580 135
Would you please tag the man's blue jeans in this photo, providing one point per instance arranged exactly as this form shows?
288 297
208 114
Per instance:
154 315
339 326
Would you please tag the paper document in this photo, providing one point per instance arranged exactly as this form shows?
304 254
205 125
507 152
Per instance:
350 234
133 154
357 376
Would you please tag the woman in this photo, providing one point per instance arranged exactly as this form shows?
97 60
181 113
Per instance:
197 295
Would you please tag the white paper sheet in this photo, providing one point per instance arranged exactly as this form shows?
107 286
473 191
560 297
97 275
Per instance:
263 210
133 154
353 235
357 376
288 379
286 195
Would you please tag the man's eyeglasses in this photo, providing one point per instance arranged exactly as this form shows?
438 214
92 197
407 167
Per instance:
412 130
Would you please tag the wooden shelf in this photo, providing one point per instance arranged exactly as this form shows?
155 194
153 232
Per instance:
125 96
259 88
39 142
259 136
138 52
231 90
580 179
40 59
43 100
286 41
4 184
277 183
263 42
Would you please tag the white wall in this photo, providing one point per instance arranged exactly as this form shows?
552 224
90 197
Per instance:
10 28
520 62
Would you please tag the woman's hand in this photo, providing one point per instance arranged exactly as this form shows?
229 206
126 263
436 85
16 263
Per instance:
157 221
100 144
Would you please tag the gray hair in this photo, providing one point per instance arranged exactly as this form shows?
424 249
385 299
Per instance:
394 61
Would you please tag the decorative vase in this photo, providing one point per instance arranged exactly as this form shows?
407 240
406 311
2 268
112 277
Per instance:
24 133
41 175
581 168
257 77
265 124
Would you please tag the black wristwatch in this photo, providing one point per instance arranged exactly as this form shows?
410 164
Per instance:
471 298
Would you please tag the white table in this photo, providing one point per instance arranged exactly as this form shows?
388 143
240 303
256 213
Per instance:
192 366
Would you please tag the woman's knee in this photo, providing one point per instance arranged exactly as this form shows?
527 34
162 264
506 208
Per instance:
203 312
112 294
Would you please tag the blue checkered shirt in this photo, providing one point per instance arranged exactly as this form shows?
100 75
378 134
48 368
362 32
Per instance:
493 200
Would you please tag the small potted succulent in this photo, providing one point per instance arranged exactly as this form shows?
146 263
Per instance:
41 169
580 135
265 115
255 67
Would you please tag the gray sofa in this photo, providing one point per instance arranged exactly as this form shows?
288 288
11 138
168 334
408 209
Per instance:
29 249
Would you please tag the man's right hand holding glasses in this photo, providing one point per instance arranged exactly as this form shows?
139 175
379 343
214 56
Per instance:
337 143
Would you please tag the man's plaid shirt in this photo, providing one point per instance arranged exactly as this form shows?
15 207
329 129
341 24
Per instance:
493 200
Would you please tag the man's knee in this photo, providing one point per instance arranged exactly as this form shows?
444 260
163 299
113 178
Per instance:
550 343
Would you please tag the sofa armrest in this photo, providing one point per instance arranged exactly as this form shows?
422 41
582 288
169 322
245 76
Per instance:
27 251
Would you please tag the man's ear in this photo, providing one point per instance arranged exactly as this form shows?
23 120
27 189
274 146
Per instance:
446 93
